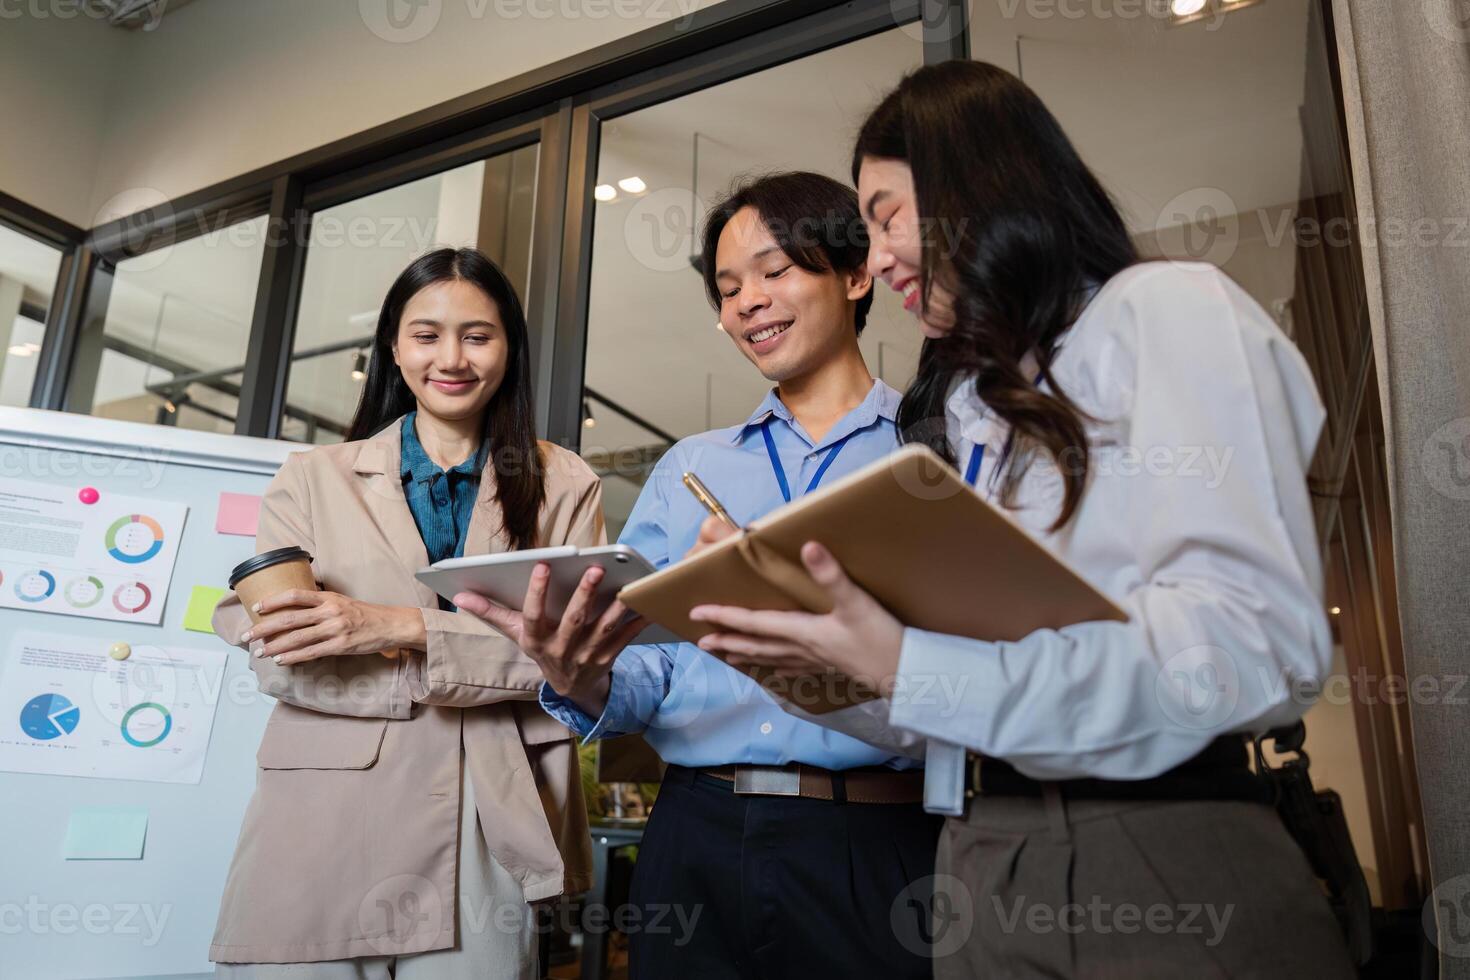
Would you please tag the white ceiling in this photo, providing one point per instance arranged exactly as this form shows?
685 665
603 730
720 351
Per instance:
1160 113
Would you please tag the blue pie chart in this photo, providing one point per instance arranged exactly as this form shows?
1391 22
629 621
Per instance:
48 716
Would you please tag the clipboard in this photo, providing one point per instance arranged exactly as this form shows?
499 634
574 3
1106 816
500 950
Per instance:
912 534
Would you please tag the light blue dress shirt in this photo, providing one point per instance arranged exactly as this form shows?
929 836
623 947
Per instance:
693 709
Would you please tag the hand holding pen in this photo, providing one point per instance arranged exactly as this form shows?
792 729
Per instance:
718 526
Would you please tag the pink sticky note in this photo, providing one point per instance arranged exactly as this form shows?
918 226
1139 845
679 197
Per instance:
239 513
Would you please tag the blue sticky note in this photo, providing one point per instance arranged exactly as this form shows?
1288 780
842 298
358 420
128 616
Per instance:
106 833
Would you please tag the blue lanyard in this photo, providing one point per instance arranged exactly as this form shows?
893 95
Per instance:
972 469
977 455
780 471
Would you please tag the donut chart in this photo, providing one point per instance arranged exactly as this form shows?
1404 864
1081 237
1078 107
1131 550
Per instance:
37 585
83 592
134 539
131 597
149 723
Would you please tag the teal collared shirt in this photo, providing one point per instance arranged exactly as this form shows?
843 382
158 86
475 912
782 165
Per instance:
440 500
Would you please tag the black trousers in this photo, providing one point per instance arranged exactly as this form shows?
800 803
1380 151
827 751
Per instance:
768 887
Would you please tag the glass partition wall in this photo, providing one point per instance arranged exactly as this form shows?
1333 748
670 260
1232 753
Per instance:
28 271
657 366
358 248
171 347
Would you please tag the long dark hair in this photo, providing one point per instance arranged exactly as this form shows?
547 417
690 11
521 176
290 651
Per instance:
512 453
1015 227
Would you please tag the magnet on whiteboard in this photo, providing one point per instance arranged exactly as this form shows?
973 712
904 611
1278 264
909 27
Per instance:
119 651
88 495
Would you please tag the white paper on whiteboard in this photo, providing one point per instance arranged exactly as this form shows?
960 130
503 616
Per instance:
111 559
69 709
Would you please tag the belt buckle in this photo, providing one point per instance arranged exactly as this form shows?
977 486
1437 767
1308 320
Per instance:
767 781
972 772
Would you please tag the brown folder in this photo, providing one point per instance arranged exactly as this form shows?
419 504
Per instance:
909 531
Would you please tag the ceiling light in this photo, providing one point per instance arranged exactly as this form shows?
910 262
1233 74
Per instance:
633 185
359 365
605 192
32 346
20 350
587 419
1186 8
1336 610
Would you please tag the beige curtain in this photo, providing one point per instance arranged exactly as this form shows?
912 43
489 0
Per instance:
1406 85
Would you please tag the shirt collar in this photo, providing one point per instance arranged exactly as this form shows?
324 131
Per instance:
972 418
415 463
881 402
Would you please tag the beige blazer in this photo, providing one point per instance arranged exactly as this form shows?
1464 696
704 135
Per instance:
349 842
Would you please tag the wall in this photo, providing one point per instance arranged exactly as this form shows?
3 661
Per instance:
57 77
223 87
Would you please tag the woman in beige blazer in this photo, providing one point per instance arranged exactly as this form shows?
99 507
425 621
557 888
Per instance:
399 719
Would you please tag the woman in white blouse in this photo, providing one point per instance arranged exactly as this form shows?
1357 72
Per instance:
1151 426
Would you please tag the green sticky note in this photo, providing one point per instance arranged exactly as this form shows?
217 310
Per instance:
202 601
106 833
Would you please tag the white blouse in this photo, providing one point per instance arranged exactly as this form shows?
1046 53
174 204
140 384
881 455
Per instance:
1196 520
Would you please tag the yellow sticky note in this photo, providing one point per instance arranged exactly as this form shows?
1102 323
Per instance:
202 601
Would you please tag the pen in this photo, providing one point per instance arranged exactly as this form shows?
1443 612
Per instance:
702 494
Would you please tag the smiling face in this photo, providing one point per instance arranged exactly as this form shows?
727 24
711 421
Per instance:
786 320
452 349
896 243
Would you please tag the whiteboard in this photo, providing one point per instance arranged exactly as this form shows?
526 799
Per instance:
78 920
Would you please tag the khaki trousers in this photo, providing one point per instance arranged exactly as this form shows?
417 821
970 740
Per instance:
495 934
1093 889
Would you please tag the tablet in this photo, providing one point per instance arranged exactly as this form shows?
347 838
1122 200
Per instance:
504 578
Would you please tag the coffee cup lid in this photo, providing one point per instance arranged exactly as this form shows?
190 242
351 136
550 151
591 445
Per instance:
265 560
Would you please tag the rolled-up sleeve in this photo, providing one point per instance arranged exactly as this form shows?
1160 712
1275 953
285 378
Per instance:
1226 629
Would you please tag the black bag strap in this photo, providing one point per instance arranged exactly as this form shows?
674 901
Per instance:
1317 823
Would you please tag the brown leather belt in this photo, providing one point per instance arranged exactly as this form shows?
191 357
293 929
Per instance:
852 785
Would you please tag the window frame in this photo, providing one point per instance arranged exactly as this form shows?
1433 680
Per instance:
560 106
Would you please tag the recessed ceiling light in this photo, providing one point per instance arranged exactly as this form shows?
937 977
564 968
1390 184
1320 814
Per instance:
633 185
604 192
20 350
1186 8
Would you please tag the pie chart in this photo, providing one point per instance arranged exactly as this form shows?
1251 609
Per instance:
48 716
134 538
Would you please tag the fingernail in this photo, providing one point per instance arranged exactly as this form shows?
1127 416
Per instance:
277 658
255 608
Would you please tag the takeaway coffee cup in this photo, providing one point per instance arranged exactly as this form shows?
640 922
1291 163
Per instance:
270 574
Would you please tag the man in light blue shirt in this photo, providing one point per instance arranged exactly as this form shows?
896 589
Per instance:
693 709
790 849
